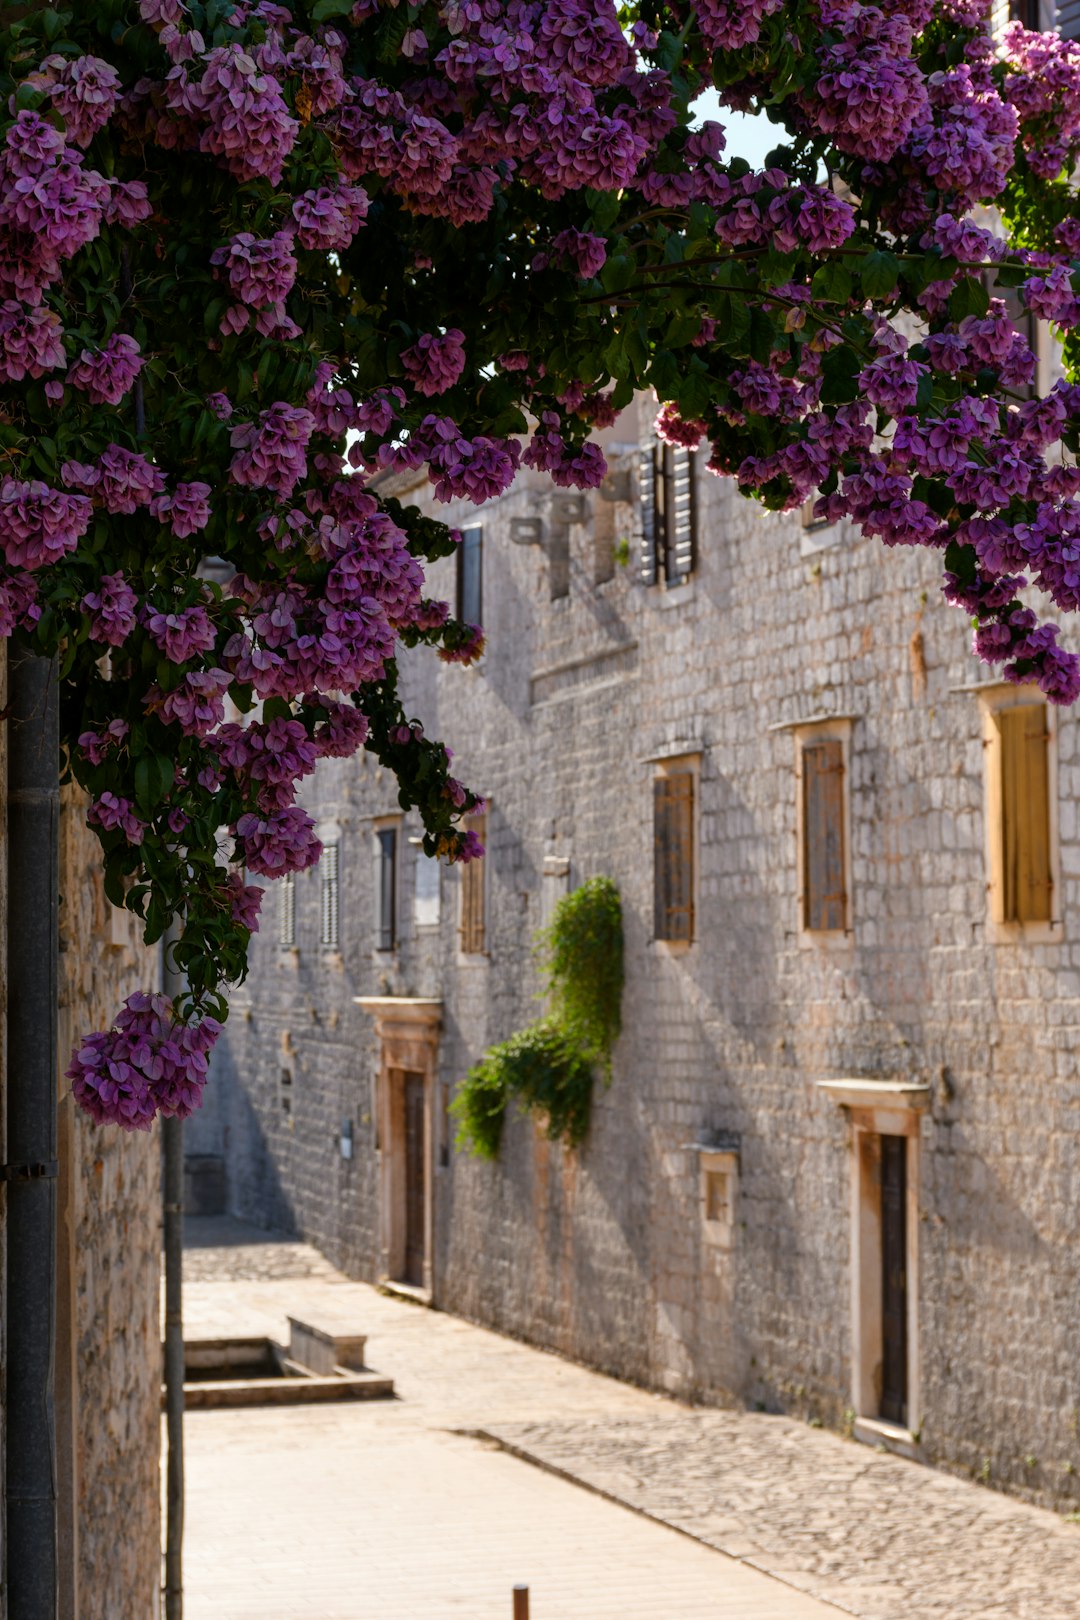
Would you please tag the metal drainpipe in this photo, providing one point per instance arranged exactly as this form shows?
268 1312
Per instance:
33 816
172 1140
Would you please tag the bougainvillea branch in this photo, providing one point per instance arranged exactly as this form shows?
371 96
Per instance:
255 255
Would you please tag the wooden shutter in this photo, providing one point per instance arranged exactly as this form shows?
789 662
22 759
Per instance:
648 567
387 930
1067 18
330 904
680 514
1025 879
470 583
472 892
287 911
824 896
673 870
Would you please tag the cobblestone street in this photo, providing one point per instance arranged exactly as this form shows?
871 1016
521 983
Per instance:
402 1509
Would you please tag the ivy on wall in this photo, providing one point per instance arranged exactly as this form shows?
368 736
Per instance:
550 1067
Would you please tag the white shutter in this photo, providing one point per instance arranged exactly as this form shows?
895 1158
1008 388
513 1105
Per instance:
287 911
328 867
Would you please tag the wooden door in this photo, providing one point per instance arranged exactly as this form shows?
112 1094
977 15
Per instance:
415 1179
894 1278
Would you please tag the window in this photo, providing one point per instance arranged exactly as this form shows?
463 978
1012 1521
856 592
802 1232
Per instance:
386 842
674 794
470 578
1020 794
668 515
426 892
824 895
1026 12
824 843
472 893
1067 17
330 908
287 911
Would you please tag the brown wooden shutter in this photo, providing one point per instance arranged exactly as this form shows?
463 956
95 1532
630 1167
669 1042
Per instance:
673 833
648 562
824 896
472 892
1026 880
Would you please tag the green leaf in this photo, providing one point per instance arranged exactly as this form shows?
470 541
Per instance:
776 268
879 273
322 9
968 297
839 371
832 283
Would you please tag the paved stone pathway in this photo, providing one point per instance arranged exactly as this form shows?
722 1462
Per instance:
397 1510
875 1536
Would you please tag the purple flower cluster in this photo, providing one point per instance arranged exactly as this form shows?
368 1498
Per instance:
239 111
870 94
115 814
31 341
186 510
272 453
84 91
245 901
149 1063
271 758
105 375
433 363
260 273
328 219
279 842
111 610
38 525
183 635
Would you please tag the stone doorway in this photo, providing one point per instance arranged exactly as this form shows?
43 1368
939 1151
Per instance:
407 1029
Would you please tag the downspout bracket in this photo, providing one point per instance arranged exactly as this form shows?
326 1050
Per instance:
29 1172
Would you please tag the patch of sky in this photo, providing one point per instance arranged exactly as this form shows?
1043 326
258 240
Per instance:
748 135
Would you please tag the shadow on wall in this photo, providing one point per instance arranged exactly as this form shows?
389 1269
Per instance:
253 1191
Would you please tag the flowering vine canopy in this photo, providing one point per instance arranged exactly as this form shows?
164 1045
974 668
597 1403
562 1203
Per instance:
254 254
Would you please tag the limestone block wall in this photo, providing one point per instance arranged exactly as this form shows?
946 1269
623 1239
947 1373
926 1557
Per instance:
603 1254
108 1327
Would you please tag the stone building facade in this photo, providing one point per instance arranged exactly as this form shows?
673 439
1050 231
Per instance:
835 1173
108 1341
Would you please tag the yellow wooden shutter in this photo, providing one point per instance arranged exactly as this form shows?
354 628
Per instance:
472 892
1025 880
824 889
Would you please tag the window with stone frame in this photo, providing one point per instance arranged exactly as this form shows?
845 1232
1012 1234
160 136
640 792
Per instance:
386 869
473 924
1017 739
674 853
669 518
470 576
823 834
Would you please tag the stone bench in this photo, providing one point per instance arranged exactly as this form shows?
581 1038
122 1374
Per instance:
323 1351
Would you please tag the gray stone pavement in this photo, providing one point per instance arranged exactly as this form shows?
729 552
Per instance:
400 1510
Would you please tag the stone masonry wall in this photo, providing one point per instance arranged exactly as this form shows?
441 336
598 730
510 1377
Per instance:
114 1202
603 1254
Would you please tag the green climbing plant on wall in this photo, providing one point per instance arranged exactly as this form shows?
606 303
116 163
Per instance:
550 1067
